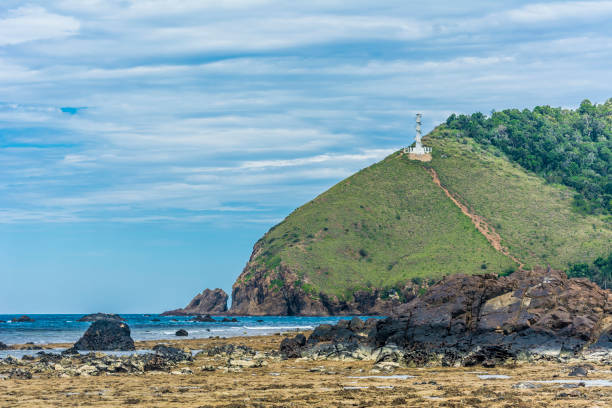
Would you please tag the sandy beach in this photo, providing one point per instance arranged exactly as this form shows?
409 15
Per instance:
212 381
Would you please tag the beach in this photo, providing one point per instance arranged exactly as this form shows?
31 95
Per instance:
265 379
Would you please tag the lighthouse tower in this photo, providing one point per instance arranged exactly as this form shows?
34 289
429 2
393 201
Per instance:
418 152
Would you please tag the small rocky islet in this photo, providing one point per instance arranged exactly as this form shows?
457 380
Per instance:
23 319
206 303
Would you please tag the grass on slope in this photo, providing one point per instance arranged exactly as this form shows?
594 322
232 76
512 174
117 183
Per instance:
379 228
535 220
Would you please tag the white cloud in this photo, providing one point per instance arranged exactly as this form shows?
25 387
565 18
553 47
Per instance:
194 104
547 12
34 23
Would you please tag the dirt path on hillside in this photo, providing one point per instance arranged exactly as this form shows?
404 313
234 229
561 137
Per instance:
481 224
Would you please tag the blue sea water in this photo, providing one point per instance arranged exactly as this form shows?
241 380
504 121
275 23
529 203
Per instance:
64 328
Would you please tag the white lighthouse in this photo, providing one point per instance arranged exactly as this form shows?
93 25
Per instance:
418 152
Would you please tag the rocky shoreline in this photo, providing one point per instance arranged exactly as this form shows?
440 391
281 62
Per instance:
534 338
479 320
253 372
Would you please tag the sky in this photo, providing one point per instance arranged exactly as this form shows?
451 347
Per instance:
146 145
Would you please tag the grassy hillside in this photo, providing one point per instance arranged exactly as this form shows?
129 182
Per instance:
378 228
390 223
534 219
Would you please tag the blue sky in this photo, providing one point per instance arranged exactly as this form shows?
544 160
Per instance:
146 145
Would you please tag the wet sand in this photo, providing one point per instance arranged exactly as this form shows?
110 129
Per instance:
307 383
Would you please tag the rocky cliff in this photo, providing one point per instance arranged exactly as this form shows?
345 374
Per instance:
261 291
482 319
207 302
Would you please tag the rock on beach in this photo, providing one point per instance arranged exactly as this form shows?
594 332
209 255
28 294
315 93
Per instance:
479 320
109 335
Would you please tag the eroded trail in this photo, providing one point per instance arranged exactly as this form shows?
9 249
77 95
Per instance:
479 222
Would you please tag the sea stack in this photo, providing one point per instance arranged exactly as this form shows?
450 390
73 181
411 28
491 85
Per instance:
207 302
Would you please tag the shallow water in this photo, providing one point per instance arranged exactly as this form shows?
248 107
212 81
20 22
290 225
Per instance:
386 377
587 383
63 328
21 353
493 377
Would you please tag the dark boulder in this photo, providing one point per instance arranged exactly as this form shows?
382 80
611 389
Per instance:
356 324
488 356
337 334
155 320
70 352
228 320
173 354
23 319
292 347
580 370
209 301
100 316
181 333
20 374
111 335
205 319
3 346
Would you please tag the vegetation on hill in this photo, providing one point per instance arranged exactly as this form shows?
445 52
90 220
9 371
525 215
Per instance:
535 219
599 271
570 147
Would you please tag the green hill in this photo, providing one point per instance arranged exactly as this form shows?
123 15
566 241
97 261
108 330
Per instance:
390 224
378 228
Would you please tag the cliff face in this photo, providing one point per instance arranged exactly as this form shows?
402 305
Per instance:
261 291
207 302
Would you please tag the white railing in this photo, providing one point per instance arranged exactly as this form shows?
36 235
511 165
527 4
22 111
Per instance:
415 150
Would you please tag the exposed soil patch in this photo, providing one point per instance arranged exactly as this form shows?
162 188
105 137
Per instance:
481 224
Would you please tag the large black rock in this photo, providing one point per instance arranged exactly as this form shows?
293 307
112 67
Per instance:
110 335
484 319
292 347
206 319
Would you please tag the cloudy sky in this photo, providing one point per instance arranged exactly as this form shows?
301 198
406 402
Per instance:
146 144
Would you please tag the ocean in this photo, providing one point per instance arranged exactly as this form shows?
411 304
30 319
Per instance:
64 328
